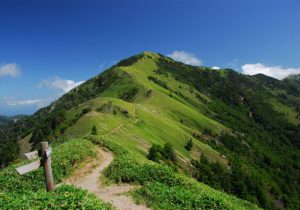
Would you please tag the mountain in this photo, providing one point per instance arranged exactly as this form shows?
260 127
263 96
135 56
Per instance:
295 77
244 130
293 81
8 119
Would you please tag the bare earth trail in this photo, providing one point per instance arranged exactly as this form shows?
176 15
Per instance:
87 177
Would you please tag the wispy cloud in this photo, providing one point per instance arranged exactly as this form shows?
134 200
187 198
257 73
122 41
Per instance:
39 103
185 57
62 85
10 69
277 72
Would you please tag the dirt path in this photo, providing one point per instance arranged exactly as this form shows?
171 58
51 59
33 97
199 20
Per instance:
136 120
115 130
87 177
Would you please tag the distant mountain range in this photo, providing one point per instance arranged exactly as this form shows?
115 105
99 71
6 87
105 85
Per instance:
245 129
5 119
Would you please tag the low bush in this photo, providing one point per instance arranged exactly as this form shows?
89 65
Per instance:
161 196
64 197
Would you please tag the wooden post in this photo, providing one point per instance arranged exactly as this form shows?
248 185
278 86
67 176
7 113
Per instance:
46 163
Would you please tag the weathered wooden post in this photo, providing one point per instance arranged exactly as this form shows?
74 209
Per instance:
46 163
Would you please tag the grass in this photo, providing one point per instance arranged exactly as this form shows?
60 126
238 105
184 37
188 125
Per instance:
27 191
64 197
291 114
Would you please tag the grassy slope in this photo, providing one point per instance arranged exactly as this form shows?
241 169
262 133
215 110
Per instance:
153 119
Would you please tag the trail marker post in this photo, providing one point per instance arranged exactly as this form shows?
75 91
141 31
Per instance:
45 161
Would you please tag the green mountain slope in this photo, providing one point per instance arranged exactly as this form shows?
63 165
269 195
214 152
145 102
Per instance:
245 129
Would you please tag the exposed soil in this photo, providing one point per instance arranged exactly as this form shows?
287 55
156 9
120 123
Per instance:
87 177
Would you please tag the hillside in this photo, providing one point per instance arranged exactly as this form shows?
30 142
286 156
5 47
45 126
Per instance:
5 120
244 129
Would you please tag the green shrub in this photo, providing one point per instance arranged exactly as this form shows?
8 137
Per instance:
127 169
189 145
64 197
161 196
154 153
94 130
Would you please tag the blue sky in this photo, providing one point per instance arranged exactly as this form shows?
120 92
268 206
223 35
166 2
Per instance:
48 47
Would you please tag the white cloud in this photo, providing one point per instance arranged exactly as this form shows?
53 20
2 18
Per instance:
216 67
185 57
62 85
10 69
39 103
277 72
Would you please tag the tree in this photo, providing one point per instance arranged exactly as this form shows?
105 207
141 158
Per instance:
168 152
189 145
154 153
94 130
38 136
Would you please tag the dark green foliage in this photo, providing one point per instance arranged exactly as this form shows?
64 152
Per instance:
168 152
4 120
94 130
235 181
129 61
128 95
158 71
207 131
124 112
148 93
189 145
38 136
156 153
158 82
85 111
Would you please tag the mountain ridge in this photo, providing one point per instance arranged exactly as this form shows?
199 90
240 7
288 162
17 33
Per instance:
151 99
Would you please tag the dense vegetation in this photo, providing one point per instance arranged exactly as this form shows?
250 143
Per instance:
27 191
156 153
162 187
244 106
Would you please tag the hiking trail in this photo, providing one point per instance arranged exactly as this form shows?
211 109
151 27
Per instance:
87 177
